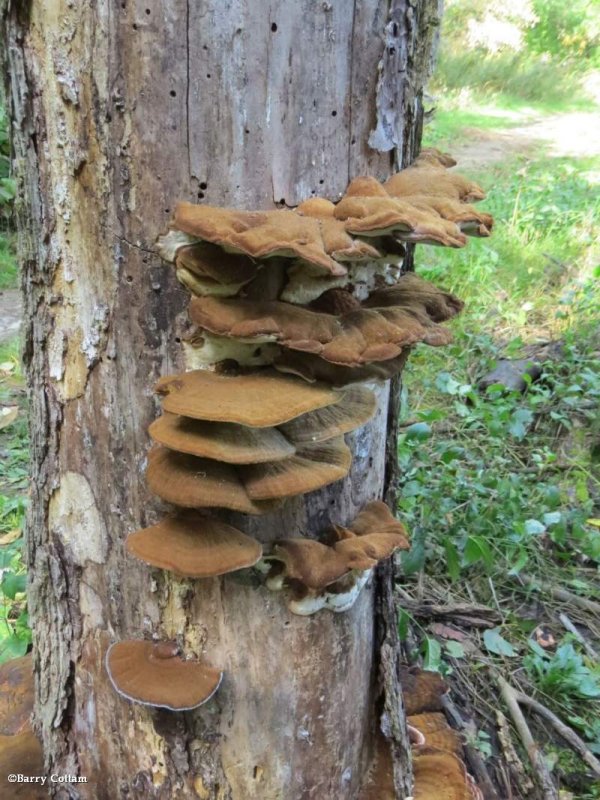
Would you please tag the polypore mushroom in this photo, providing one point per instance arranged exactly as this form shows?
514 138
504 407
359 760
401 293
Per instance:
311 368
258 234
466 216
413 292
379 216
155 674
260 399
437 733
355 409
376 517
312 467
192 482
204 350
439 775
221 441
357 337
422 690
432 156
430 180
193 546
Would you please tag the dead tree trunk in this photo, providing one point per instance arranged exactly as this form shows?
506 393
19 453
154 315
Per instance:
119 109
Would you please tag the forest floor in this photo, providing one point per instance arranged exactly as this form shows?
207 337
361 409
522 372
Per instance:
501 488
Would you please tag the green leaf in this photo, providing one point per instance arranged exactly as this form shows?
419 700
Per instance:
454 649
404 619
419 431
534 527
432 655
452 560
414 559
12 647
495 643
13 584
519 421
477 549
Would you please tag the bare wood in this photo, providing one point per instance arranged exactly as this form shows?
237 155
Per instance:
511 758
536 757
560 594
118 113
563 730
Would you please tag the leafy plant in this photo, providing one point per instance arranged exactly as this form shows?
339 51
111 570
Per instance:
562 674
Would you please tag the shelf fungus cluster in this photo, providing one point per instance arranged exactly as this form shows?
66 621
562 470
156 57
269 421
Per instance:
291 313
437 749
318 575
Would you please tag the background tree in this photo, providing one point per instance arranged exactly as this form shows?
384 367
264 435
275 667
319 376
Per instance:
119 110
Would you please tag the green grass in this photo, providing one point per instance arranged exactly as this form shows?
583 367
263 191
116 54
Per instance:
499 484
8 263
14 447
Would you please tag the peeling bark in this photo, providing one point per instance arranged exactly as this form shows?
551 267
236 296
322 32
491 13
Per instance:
119 109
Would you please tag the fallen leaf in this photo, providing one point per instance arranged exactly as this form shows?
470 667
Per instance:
495 643
446 632
8 415
594 522
11 536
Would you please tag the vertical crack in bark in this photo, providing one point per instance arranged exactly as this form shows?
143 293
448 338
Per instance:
187 86
351 91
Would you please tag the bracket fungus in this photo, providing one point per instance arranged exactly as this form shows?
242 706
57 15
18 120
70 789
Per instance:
355 408
193 546
430 180
155 674
311 368
332 576
357 337
221 441
258 399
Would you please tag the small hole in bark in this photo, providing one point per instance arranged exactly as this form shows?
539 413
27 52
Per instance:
134 26
204 185
246 131
178 339
370 462
322 181
129 278
200 195
274 27
145 260
255 773
208 74
205 47
173 93
353 141
334 113
167 210
148 11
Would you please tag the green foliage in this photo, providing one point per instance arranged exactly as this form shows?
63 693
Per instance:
15 635
565 30
8 266
563 674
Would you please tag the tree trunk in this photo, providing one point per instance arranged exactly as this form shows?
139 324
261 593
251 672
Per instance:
120 109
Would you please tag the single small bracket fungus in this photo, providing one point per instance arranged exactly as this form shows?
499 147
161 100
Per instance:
193 546
260 399
440 775
155 674
431 156
355 408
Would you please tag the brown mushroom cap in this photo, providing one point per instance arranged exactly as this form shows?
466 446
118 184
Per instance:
259 400
312 368
412 292
207 260
363 552
422 690
312 467
317 207
376 517
310 563
355 409
22 754
221 441
16 695
439 775
156 675
434 727
433 181
192 482
431 155
365 186
193 546
379 216
357 337
466 216
258 234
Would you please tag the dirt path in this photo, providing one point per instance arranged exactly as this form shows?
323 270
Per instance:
10 313
572 135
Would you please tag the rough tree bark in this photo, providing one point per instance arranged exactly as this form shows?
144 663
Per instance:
119 109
